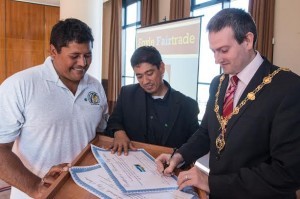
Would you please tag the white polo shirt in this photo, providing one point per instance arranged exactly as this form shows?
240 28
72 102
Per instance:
47 122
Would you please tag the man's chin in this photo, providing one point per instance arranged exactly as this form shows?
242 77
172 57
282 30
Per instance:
79 73
150 91
225 71
78 77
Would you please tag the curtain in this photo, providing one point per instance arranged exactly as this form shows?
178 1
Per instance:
149 12
179 9
262 12
115 57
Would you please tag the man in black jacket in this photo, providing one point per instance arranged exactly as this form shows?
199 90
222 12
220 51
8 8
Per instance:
151 111
254 149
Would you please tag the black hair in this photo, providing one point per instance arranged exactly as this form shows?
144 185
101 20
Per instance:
146 54
240 21
69 30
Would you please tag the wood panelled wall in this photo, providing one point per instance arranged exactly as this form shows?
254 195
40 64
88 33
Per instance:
24 35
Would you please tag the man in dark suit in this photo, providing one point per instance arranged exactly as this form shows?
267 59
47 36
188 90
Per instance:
254 149
151 111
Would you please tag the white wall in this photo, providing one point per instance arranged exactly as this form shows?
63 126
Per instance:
287 34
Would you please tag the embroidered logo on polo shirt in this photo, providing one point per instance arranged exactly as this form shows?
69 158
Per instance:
93 98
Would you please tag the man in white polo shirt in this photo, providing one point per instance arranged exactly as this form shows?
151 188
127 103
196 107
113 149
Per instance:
50 112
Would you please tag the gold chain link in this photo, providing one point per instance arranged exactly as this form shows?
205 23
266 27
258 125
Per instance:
220 141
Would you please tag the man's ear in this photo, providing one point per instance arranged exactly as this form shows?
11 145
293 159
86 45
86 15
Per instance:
162 67
53 51
249 38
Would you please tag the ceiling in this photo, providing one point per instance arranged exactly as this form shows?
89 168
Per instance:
44 2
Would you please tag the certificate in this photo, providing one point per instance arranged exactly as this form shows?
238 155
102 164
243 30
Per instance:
96 180
135 173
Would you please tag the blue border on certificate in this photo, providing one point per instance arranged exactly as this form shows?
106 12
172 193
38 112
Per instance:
75 170
95 151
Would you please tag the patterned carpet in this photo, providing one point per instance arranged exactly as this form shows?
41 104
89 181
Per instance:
4 190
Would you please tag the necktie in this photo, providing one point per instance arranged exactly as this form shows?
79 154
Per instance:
228 100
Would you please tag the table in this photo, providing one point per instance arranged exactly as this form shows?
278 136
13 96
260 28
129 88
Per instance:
64 186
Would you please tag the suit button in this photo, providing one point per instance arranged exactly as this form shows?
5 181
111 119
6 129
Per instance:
218 157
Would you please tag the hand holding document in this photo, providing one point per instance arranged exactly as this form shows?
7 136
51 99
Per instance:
133 176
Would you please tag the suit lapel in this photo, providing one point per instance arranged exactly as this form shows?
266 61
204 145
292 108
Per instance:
174 111
142 110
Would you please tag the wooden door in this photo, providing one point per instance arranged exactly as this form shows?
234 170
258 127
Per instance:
51 18
2 41
25 34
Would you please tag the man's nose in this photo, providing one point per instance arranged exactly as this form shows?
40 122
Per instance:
218 58
82 61
145 79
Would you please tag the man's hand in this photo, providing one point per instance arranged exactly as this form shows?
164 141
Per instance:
166 165
121 143
193 177
54 172
49 178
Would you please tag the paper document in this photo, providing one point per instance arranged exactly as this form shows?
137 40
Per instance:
135 173
96 180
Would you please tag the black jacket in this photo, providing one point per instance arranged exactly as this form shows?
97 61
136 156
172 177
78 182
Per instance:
261 159
129 114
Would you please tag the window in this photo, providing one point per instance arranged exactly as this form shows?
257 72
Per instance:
207 67
131 19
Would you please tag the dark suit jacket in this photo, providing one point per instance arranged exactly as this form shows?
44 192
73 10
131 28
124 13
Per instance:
129 114
261 158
